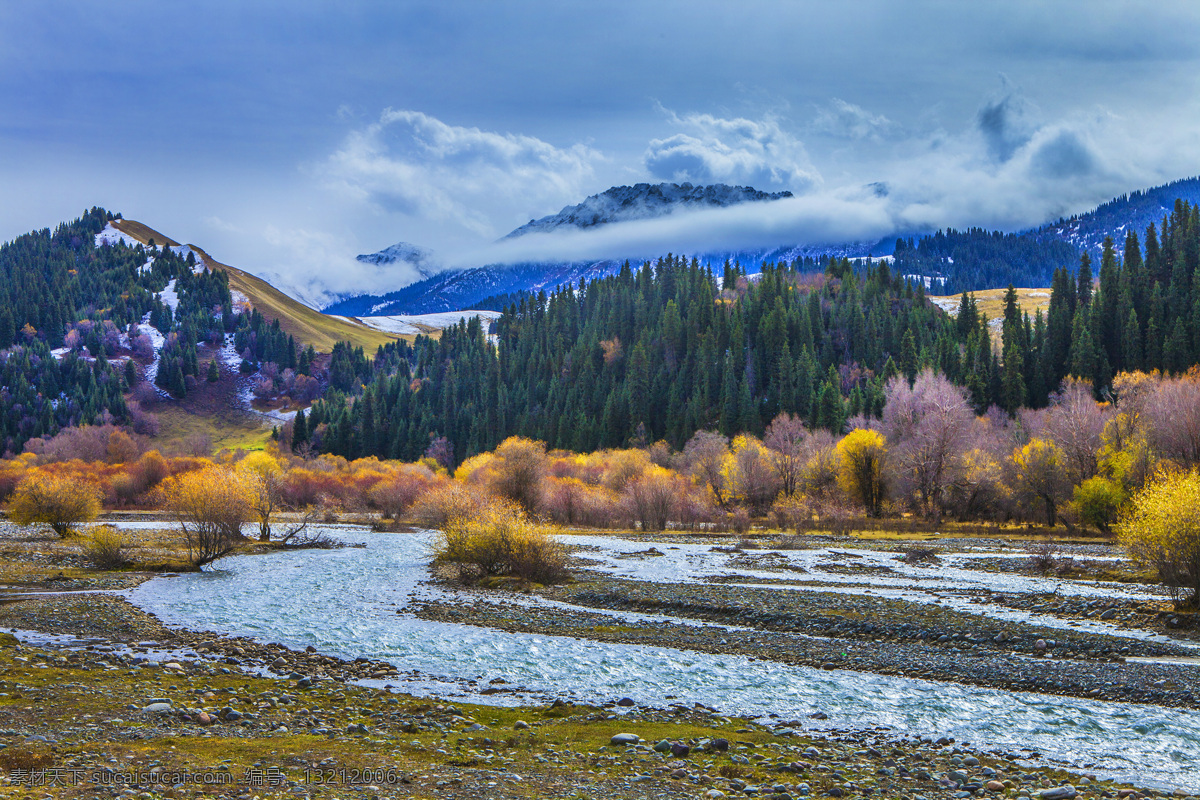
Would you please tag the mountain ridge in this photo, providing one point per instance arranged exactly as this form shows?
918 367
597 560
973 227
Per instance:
644 201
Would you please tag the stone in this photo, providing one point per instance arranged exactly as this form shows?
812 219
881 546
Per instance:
995 786
1112 612
680 750
625 702
662 747
625 739
719 745
713 794
157 708
1058 793
520 725
679 774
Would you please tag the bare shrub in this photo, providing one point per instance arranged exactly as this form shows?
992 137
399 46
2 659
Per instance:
921 556
652 498
740 521
106 548
519 472
396 494
1044 557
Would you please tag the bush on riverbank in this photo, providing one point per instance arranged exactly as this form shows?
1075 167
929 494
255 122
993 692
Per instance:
56 501
500 541
1162 531
106 548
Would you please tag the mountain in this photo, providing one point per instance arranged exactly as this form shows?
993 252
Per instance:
421 259
456 290
1133 211
487 287
306 324
953 261
644 201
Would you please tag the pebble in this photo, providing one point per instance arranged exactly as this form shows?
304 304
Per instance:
1058 793
625 739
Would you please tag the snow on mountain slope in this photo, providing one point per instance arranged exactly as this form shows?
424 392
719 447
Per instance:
411 324
644 201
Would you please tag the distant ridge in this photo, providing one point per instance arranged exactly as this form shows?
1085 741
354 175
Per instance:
644 201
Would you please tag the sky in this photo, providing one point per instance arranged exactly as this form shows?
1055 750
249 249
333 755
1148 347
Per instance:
287 137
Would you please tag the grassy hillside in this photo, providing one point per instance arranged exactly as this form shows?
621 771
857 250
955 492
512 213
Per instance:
991 303
306 324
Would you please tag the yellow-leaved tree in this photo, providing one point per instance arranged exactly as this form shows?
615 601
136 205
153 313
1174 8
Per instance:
1162 530
211 506
860 468
60 502
263 478
1038 472
750 475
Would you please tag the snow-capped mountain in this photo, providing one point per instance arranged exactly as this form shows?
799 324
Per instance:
453 290
491 287
419 258
644 201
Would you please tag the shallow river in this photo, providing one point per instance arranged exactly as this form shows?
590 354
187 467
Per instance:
350 602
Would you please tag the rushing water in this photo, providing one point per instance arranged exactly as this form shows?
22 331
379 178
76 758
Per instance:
351 602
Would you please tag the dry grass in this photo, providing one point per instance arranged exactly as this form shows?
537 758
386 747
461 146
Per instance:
306 324
991 303
143 233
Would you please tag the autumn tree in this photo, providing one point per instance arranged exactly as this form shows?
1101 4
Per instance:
211 506
56 500
785 438
262 476
1162 531
750 474
928 427
1075 422
1038 473
860 472
704 457
652 497
519 472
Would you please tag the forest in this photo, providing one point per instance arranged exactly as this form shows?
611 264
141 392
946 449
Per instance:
668 349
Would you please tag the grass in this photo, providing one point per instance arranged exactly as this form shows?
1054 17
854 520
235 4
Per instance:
227 429
308 325
991 303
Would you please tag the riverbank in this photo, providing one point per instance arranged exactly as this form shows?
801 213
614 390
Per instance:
122 703
126 693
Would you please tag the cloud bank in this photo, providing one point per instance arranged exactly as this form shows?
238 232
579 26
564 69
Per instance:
414 164
739 151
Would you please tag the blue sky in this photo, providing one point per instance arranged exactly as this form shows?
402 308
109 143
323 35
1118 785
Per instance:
287 137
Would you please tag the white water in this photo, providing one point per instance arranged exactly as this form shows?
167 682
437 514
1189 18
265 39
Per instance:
346 602
953 583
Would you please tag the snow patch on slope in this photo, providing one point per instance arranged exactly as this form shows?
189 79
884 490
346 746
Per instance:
110 236
412 324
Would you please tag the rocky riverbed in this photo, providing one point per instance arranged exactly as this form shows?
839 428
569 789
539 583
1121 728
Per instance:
106 690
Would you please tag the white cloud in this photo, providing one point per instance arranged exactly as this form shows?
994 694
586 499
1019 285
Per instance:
418 166
1004 170
849 121
736 151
